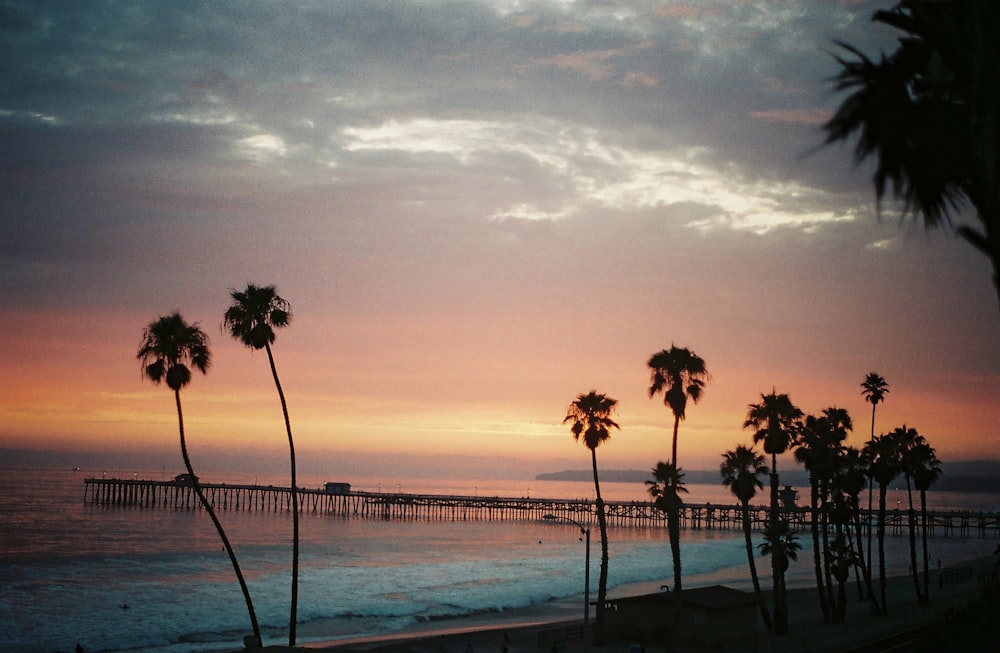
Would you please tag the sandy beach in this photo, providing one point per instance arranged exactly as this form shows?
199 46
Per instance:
952 589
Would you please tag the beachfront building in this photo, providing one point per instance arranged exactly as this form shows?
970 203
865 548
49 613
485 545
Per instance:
708 616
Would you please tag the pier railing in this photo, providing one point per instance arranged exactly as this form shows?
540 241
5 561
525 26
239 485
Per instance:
403 506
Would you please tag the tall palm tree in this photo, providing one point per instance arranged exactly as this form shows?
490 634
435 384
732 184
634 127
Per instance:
819 449
874 389
741 470
170 348
775 421
590 418
929 113
883 464
666 489
679 374
910 443
926 471
252 318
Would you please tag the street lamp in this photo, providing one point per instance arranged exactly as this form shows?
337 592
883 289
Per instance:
586 577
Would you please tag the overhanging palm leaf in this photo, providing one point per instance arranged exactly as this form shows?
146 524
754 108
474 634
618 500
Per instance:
929 114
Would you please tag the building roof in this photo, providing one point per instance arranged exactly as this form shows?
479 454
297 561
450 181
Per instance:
713 596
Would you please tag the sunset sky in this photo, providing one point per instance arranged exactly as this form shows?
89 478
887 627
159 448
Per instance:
477 211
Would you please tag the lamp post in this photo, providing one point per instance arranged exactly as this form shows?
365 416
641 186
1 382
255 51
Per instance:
586 578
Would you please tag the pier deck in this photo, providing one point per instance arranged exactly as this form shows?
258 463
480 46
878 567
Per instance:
402 506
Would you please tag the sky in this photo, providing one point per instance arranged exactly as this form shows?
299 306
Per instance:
477 211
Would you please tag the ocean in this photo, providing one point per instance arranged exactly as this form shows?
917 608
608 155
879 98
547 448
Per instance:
154 579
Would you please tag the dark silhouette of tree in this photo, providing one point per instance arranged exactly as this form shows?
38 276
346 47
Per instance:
775 421
252 318
590 418
170 348
840 559
874 389
852 476
929 114
780 543
883 458
926 471
741 470
679 374
908 440
666 489
818 449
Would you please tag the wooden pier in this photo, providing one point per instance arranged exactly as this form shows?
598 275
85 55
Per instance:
400 506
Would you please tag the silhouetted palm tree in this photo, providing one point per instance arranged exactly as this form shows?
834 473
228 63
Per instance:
775 421
170 348
818 449
590 417
252 318
884 465
741 470
666 489
850 481
667 498
779 543
908 440
679 374
929 114
874 389
926 470
841 558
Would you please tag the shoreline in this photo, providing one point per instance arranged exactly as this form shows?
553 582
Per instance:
952 589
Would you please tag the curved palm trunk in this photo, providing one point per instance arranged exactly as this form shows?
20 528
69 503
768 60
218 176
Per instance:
293 618
911 518
842 575
866 565
778 575
881 546
868 523
764 614
923 534
215 520
817 564
602 523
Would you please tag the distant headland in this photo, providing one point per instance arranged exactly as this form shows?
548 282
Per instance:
965 476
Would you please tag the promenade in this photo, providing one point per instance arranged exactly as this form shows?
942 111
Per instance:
953 589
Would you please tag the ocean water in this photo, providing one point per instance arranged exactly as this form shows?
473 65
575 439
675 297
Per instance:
153 579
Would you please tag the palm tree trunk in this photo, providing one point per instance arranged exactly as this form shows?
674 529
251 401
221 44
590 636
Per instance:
602 583
824 518
866 565
292 618
673 446
764 614
881 547
923 533
868 520
911 519
215 520
778 577
818 568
